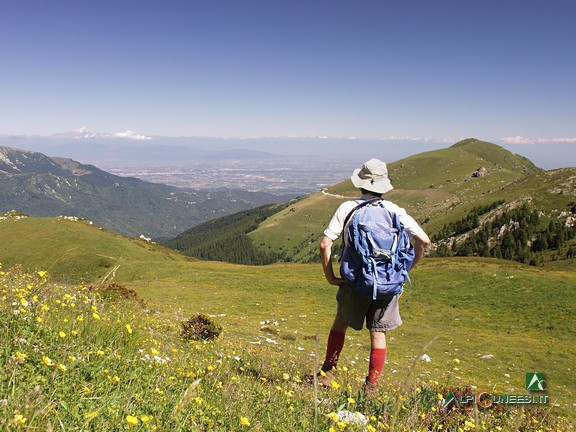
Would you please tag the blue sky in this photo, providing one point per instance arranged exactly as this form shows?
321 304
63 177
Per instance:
246 68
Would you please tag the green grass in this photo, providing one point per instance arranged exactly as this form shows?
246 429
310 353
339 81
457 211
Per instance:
77 358
75 249
275 319
523 317
297 229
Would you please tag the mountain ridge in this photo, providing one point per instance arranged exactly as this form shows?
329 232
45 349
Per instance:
438 188
33 183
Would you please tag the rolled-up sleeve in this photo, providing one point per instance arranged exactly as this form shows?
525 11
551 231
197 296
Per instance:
336 225
411 227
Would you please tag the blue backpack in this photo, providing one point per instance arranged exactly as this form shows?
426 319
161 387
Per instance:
378 254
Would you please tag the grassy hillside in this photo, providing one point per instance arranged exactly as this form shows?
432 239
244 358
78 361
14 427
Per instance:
75 249
519 318
437 188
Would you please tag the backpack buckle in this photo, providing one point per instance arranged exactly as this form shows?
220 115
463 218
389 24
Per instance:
381 254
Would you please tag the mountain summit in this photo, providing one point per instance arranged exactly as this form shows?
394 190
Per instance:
473 198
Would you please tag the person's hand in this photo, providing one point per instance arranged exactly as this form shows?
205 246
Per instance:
337 281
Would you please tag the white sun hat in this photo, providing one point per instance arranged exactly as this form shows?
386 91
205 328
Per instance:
373 177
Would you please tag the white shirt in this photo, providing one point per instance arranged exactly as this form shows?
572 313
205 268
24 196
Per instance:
336 225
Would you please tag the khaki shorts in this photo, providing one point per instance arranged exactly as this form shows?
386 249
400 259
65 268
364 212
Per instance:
381 315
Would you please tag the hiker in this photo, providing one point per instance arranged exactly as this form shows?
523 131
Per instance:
380 314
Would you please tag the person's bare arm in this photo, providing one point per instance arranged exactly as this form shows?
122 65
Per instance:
326 255
421 244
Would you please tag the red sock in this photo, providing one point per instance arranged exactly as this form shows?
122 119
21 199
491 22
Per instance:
377 360
335 345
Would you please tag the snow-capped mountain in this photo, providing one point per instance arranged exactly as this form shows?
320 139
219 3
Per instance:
84 133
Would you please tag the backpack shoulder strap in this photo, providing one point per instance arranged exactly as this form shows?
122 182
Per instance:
362 204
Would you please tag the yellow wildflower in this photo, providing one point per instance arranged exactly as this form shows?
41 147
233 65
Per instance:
131 420
244 421
47 361
146 419
19 419
62 367
333 416
91 415
62 334
97 317
128 328
20 357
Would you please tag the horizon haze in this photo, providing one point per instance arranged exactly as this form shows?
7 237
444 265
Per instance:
281 165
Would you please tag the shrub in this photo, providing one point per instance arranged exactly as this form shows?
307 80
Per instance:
200 327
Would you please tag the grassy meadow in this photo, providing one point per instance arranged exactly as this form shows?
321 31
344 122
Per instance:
77 353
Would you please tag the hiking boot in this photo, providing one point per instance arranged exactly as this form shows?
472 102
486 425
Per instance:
370 389
324 379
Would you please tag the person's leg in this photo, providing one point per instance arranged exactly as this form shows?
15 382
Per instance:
335 344
377 356
383 315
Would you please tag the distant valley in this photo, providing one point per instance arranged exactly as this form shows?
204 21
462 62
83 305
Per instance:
35 184
293 176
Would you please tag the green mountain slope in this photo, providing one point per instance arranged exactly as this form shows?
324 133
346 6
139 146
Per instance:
226 239
438 188
41 186
73 250
458 194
